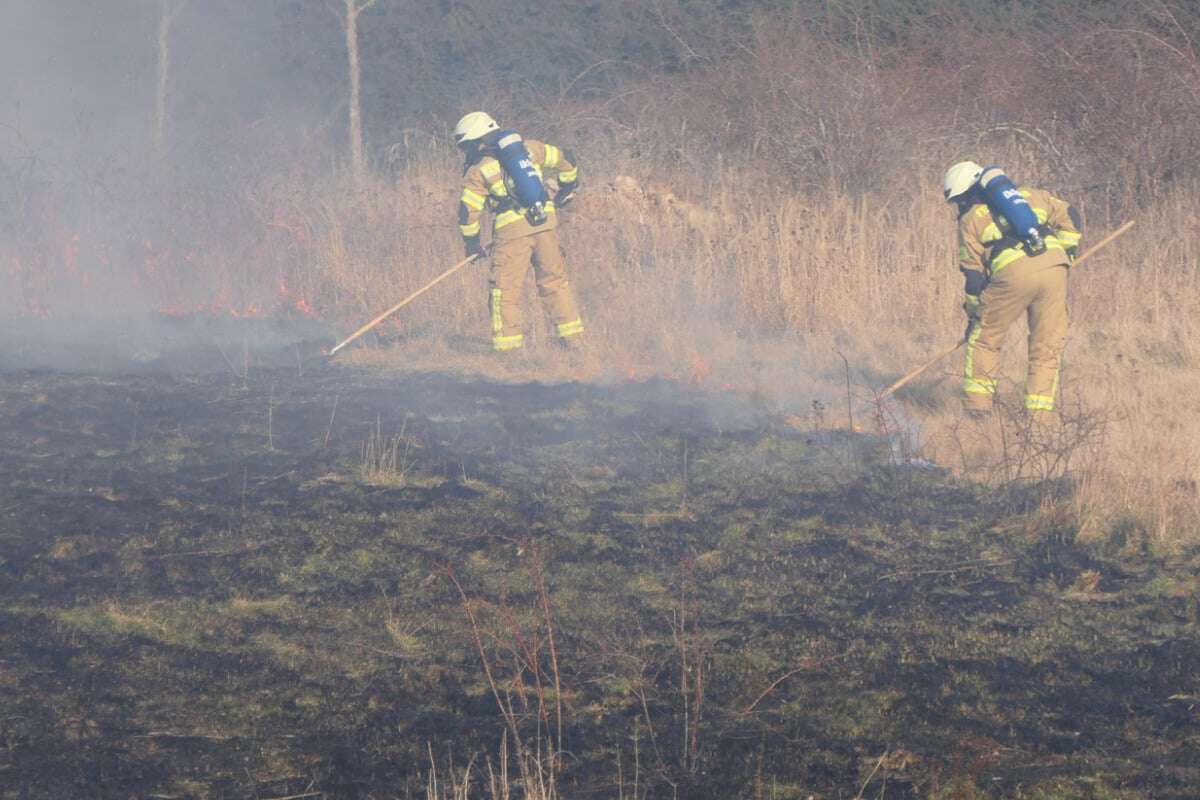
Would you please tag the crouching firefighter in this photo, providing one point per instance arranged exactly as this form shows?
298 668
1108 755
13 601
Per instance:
1015 246
504 175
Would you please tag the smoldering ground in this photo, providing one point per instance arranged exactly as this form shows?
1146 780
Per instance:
317 579
158 343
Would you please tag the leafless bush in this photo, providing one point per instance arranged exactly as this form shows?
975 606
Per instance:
1010 445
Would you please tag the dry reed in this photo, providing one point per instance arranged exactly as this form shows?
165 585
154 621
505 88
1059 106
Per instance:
759 303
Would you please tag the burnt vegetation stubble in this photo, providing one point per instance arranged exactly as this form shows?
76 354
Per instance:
206 595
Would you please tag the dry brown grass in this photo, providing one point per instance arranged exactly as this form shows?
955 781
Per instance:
741 285
764 300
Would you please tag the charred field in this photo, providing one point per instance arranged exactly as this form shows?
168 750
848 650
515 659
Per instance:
263 575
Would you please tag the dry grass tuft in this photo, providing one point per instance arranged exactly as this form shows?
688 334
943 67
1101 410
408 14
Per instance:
386 460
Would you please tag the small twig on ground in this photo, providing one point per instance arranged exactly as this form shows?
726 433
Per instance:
683 501
771 688
379 650
849 405
175 735
332 414
232 368
949 570
867 782
785 676
193 553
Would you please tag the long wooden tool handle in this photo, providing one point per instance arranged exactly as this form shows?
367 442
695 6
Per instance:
919 371
404 302
1091 251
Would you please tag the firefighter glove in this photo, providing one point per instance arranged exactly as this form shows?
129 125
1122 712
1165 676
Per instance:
565 194
473 247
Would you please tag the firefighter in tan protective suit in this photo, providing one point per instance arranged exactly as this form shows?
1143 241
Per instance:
1009 274
523 232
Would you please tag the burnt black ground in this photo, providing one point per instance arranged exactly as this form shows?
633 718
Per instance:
203 594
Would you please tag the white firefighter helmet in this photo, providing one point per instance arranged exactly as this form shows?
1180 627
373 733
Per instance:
474 126
960 178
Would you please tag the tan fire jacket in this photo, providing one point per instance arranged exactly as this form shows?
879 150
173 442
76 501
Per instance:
485 185
985 248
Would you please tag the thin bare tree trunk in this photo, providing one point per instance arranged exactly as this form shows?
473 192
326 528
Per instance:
357 161
164 70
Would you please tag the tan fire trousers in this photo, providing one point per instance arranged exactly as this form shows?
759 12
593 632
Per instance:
1038 289
510 264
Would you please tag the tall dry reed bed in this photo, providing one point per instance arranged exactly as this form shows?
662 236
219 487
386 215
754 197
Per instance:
769 290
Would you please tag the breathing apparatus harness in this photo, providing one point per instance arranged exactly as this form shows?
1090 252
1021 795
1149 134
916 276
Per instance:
521 178
1012 213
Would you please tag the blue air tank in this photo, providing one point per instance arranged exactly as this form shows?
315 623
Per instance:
514 157
1011 211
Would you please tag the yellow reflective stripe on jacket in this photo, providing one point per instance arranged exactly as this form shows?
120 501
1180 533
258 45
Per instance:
1006 257
494 176
473 199
515 215
1017 252
507 218
568 175
551 159
1070 240
470 230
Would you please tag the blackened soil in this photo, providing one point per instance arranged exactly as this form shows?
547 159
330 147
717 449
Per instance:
249 582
